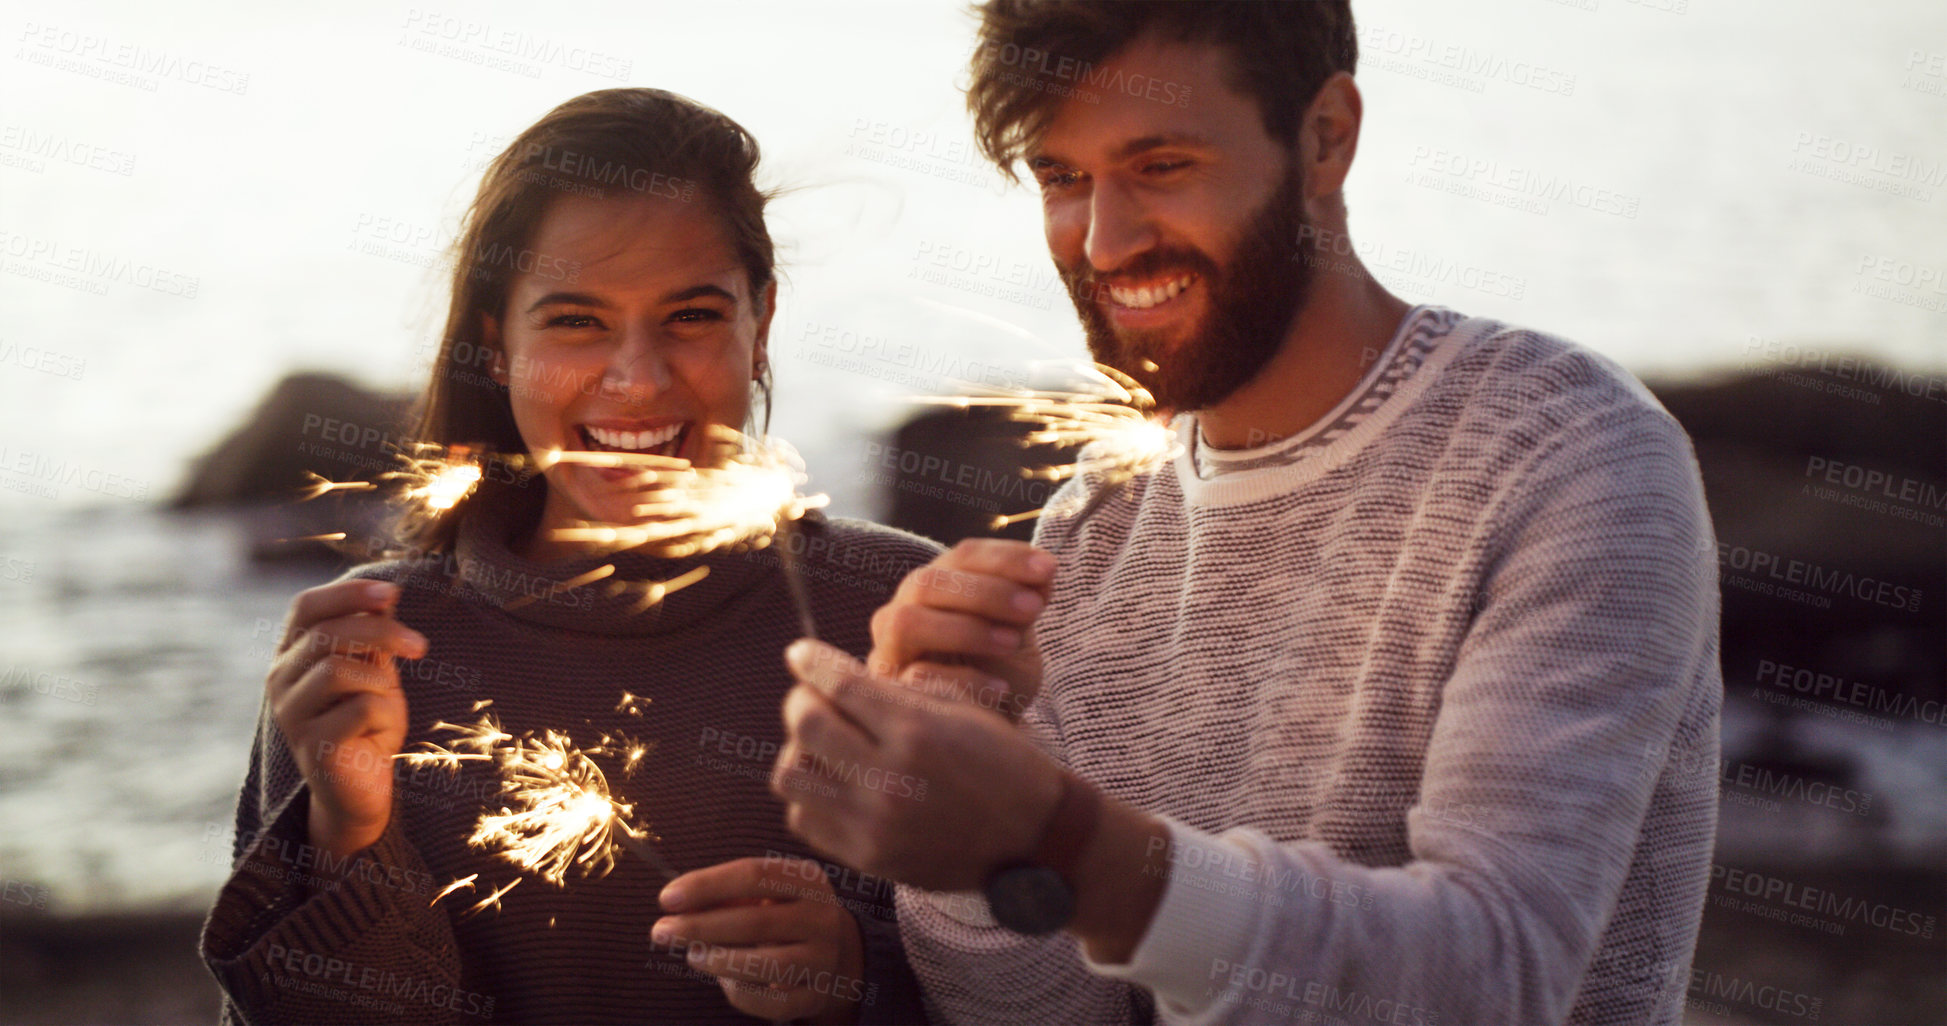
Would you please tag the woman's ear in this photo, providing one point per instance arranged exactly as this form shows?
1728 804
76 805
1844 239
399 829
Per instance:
760 349
490 338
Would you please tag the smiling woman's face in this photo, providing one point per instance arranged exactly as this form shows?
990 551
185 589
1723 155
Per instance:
635 329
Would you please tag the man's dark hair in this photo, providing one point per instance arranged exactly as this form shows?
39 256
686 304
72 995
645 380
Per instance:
1033 53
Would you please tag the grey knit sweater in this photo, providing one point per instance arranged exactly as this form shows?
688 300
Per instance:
708 659
1430 709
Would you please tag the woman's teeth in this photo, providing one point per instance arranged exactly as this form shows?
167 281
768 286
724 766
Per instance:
662 440
1150 295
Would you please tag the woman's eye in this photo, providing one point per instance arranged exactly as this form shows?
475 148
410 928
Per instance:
572 321
696 315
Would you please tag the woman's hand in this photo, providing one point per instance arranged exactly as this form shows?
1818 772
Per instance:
773 934
962 626
334 692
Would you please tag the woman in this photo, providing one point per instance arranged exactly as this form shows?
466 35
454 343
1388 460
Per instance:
613 291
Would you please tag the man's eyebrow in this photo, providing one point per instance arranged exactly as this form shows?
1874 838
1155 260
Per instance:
1129 149
1158 141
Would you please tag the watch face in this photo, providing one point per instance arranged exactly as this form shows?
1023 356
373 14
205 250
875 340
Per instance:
1030 899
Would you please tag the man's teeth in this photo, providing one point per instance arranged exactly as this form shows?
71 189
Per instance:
634 441
1149 295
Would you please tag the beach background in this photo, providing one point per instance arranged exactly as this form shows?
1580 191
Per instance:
199 200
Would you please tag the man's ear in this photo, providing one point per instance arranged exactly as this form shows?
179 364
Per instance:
760 350
490 337
1328 137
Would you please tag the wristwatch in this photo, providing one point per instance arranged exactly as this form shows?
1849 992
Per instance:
1037 896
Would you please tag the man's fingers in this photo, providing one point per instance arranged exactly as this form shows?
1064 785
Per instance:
991 596
968 684
1017 561
737 880
873 705
744 925
330 601
905 631
758 966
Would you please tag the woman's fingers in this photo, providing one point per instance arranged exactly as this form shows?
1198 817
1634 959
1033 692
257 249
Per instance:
338 599
328 682
369 637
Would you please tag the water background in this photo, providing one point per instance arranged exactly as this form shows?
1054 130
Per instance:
1744 178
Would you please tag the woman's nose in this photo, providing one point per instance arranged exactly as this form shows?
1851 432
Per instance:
637 369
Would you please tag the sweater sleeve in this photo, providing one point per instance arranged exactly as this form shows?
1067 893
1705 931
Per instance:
292 940
1591 648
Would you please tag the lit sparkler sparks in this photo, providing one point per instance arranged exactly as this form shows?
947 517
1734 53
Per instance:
746 499
1118 422
437 479
559 812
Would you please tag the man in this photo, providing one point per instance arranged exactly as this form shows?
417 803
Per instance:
1393 698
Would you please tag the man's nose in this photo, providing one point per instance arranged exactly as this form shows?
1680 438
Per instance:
1118 227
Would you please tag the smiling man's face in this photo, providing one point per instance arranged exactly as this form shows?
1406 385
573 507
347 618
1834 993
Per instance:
1174 226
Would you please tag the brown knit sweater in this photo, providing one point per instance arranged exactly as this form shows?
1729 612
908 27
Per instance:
286 947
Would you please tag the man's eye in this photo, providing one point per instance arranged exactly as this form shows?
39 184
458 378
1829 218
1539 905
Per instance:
696 315
1163 167
1055 178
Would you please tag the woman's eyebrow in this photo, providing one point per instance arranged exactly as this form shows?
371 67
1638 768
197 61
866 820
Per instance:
568 299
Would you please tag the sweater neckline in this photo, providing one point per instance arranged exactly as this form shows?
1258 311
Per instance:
490 571
1256 483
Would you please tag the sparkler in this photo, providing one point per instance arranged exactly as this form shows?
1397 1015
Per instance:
1118 421
747 499
559 812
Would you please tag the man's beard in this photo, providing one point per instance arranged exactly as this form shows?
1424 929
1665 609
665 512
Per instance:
1251 301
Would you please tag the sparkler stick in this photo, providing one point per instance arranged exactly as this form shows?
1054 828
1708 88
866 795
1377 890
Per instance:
559 812
1119 421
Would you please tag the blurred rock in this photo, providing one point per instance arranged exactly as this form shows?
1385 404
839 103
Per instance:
316 423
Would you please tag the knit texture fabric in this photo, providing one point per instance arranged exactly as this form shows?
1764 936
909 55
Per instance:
1430 710
709 661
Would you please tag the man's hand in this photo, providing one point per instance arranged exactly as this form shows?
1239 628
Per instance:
962 626
772 933
928 791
